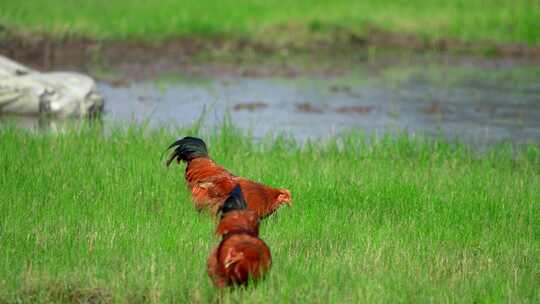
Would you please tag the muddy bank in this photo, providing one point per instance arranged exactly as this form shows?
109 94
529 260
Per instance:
240 57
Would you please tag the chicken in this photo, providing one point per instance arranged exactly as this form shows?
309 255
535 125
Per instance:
210 184
241 255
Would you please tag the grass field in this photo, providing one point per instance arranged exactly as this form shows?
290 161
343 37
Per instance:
92 218
272 21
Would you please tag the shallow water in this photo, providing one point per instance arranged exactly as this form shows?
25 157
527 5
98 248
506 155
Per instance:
481 105
477 106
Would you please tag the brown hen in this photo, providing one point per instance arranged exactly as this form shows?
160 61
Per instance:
241 255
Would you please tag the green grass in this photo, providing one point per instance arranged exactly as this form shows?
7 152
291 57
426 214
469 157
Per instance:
271 21
87 217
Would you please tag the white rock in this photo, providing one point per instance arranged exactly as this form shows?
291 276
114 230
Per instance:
60 94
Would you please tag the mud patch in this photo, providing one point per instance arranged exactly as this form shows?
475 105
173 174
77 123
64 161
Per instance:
355 109
340 89
70 52
307 107
250 106
433 108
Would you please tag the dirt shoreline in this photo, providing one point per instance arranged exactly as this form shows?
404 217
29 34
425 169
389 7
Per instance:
129 56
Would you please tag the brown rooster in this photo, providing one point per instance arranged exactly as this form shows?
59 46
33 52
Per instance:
241 255
210 184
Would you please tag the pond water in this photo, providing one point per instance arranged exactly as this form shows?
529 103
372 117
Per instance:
479 104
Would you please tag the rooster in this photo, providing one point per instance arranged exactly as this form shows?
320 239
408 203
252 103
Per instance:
241 255
210 184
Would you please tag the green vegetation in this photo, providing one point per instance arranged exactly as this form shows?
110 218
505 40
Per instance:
93 215
276 21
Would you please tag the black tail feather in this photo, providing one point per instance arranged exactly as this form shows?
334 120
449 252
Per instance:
235 201
187 148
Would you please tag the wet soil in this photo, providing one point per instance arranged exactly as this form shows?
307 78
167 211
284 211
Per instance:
355 109
250 106
134 60
307 107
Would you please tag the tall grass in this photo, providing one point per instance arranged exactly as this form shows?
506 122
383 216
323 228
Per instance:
472 21
92 217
